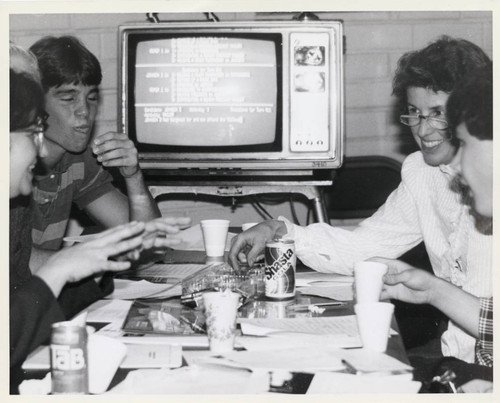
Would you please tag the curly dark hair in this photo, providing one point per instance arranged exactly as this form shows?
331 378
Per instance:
472 102
26 100
438 67
65 60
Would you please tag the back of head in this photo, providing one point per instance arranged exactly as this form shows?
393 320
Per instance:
26 100
21 60
65 60
471 102
438 67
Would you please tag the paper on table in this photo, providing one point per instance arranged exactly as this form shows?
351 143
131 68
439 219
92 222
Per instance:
108 310
303 279
38 359
372 361
311 358
128 289
293 340
192 239
337 292
169 272
334 325
193 380
152 356
302 359
335 382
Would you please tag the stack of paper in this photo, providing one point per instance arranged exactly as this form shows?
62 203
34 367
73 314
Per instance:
129 289
311 359
328 285
334 382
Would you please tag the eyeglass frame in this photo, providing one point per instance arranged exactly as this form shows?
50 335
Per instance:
429 119
36 130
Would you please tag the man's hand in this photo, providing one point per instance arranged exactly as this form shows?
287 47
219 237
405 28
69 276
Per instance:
92 257
407 283
249 245
116 150
160 232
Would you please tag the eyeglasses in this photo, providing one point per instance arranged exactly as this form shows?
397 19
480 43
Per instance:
415 120
37 132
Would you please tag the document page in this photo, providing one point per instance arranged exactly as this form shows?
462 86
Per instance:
341 325
165 272
128 289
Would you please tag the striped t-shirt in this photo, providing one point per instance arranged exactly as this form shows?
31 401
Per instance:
76 178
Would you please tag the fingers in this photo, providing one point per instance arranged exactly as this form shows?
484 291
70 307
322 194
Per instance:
117 234
103 138
117 266
119 157
255 254
396 277
166 242
238 244
180 222
115 149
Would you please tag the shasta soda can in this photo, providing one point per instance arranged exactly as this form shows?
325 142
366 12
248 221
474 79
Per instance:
69 359
280 269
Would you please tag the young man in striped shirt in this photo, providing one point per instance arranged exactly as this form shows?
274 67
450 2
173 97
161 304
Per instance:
75 169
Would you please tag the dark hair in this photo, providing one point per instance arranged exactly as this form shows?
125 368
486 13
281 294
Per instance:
26 100
65 60
472 102
437 67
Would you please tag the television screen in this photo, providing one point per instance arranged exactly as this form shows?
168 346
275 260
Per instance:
214 90
242 96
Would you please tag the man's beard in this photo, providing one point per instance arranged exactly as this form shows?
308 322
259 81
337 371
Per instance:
482 223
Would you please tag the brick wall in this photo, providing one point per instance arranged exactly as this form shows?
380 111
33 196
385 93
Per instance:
375 41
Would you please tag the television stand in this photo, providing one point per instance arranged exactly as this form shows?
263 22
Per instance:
312 191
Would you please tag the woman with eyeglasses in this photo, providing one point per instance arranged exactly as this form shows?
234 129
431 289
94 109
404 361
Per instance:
33 305
423 208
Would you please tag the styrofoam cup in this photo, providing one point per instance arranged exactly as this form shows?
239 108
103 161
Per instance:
220 312
368 279
105 355
374 324
248 225
214 236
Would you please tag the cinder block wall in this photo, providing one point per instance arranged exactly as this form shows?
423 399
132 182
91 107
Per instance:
375 41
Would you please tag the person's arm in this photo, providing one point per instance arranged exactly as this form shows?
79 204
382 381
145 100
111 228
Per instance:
90 258
33 308
390 232
117 150
39 257
406 283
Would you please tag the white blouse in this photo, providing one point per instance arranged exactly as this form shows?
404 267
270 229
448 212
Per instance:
422 208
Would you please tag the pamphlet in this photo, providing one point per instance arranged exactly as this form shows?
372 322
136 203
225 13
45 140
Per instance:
163 318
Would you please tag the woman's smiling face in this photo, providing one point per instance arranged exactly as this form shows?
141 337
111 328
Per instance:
436 145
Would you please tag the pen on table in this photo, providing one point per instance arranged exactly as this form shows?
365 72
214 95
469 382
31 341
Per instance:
197 328
335 304
350 368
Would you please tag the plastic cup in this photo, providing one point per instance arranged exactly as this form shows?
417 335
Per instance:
368 279
105 355
220 312
214 236
374 324
248 225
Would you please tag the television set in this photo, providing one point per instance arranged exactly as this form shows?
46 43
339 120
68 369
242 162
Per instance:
237 98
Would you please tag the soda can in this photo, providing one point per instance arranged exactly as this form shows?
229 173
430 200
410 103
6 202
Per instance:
280 269
69 359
